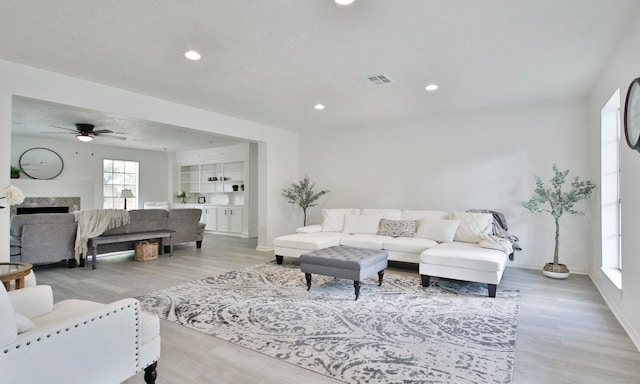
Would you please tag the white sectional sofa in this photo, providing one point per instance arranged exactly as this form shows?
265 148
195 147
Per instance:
457 245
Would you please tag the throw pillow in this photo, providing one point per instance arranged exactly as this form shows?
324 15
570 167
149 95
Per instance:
368 224
334 219
398 228
23 323
474 227
440 230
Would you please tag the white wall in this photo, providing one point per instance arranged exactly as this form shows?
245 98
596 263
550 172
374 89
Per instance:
476 160
278 149
623 67
82 173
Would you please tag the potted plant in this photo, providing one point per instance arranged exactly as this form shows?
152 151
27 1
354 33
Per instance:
182 195
557 202
303 195
15 172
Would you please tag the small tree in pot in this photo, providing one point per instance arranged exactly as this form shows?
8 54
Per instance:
302 194
557 203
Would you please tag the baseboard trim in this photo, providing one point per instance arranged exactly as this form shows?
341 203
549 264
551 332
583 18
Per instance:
599 280
262 248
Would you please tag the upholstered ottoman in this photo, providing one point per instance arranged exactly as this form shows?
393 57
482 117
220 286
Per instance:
345 263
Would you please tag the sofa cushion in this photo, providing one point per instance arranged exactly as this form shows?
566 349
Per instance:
398 228
409 214
361 224
474 227
333 219
389 214
364 241
465 255
437 229
310 241
309 229
408 244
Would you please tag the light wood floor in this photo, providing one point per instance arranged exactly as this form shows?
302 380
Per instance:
566 333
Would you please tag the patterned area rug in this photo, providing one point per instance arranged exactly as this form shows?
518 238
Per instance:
396 333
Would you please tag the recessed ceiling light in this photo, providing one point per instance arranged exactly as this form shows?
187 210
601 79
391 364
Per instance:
343 2
431 87
192 55
319 107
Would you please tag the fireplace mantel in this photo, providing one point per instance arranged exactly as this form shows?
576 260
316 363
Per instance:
73 203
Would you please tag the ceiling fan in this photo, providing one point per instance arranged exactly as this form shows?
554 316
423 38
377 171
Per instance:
86 132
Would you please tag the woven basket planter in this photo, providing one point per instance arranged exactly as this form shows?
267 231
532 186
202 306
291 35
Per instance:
555 271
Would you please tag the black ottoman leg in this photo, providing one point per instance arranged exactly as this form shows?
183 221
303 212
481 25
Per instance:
150 373
380 276
425 280
279 259
356 285
307 276
492 289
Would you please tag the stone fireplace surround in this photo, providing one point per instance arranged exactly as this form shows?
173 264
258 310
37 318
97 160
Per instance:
73 203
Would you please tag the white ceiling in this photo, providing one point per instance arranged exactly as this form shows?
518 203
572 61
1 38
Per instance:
271 61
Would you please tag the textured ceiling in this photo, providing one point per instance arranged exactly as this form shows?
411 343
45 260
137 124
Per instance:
271 61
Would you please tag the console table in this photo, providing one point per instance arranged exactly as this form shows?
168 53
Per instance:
133 236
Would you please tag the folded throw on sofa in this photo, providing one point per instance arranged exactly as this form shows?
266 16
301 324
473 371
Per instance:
94 222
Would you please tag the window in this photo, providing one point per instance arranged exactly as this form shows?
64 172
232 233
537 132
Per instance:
117 175
610 189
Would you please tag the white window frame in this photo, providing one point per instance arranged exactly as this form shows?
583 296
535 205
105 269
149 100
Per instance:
117 176
610 201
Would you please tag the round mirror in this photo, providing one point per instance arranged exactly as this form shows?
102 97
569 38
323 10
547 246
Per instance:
41 163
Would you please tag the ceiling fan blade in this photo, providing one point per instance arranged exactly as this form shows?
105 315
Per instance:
99 131
113 137
68 129
66 133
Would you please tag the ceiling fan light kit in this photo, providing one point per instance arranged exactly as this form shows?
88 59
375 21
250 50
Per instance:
84 137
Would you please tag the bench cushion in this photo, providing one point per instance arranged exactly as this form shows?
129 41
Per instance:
465 255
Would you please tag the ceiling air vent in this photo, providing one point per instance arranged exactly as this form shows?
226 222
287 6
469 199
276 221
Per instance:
372 80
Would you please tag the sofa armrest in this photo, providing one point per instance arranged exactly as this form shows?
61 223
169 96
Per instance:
32 302
102 346
309 229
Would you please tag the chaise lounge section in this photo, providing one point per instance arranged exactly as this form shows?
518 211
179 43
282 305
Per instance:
458 245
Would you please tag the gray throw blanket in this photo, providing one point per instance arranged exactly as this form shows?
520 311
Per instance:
500 229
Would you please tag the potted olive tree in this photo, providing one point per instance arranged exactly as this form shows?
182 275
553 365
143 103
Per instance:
303 195
558 202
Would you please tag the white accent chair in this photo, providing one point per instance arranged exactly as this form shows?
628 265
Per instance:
74 341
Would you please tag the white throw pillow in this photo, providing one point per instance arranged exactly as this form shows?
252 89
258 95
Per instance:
334 219
474 227
23 323
440 230
368 224
412 214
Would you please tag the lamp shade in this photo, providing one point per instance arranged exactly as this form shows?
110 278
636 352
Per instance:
126 193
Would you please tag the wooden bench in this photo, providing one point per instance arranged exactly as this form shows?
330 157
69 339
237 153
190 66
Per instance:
134 236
